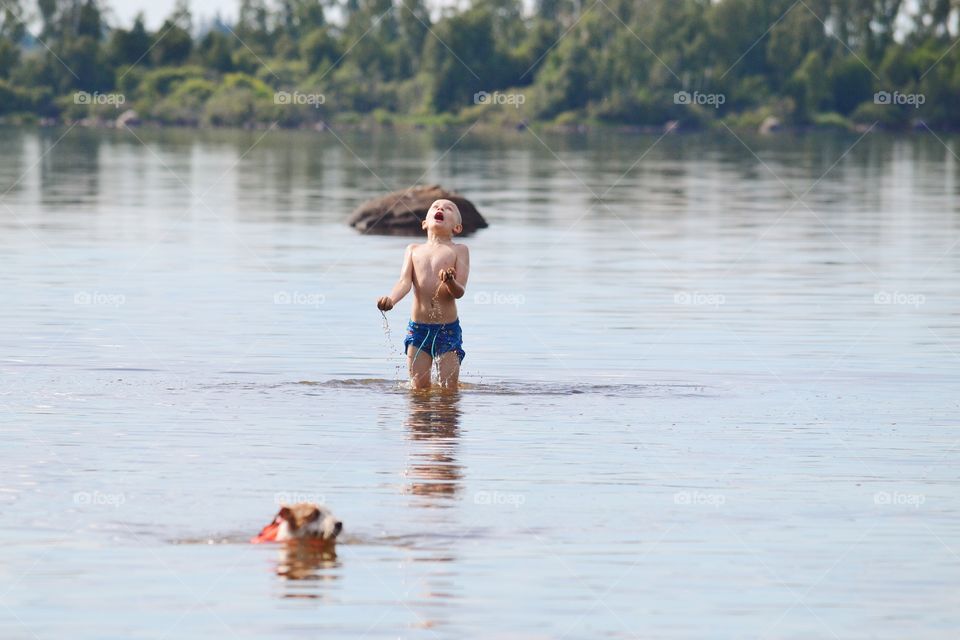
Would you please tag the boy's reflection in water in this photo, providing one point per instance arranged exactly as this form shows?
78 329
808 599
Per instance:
433 426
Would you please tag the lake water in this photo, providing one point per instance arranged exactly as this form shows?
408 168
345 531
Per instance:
711 388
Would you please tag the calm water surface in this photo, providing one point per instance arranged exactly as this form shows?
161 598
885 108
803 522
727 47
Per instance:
711 388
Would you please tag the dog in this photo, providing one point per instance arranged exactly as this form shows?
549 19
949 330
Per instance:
302 522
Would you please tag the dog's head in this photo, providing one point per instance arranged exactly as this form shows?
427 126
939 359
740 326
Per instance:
301 521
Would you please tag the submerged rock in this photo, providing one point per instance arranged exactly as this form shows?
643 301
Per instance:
401 212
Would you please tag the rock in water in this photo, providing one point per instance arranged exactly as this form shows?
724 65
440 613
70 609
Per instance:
770 125
401 212
128 118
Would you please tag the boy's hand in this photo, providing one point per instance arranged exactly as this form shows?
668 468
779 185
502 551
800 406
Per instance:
448 274
385 303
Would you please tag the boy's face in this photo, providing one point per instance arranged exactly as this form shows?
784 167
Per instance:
443 216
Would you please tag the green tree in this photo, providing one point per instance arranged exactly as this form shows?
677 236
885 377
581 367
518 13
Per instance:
556 11
129 47
253 26
173 43
371 35
738 33
850 83
532 51
12 31
215 50
507 18
620 62
807 89
299 17
465 58
72 31
319 47
567 80
413 18
792 41
866 26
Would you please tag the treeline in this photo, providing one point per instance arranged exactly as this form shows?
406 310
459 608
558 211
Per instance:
641 62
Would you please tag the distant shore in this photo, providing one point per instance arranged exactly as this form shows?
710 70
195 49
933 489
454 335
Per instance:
769 126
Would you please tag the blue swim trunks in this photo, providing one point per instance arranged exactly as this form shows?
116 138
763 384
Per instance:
435 339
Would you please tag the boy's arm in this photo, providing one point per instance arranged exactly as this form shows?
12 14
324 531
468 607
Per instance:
403 285
456 282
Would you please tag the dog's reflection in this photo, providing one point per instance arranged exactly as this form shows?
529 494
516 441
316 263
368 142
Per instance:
433 425
305 562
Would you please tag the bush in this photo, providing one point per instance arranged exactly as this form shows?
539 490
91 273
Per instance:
244 61
832 120
163 81
185 106
127 79
886 115
230 108
644 109
244 81
283 73
240 100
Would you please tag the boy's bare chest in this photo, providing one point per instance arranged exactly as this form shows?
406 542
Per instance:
427 262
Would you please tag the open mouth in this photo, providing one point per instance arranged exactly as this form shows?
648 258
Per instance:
438 216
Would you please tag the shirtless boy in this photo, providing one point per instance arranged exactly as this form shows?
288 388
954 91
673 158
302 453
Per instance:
437 270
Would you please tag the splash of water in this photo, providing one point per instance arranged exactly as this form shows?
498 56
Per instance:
386 327
388 339
435 318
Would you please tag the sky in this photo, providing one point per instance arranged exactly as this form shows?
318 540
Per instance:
124 11
156 10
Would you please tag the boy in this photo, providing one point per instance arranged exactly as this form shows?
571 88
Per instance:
437 270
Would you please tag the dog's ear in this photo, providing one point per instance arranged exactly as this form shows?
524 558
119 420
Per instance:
286 513
314 515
